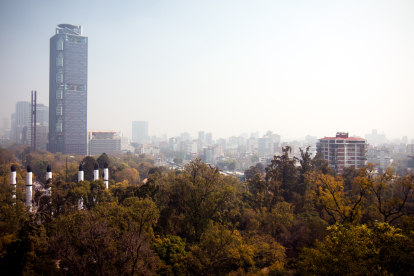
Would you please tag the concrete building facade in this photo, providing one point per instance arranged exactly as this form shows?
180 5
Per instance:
100 141
342 151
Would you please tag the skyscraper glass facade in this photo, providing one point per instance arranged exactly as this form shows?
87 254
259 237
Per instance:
68 90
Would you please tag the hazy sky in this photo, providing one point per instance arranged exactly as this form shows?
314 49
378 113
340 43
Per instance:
226 67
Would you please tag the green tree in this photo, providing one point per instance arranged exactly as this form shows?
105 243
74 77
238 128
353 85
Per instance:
254 158
102 159
343 206
122 167
105 241
320 164
391 192
232 165
305 167
171 251
143 169
155 170
178 160
88 167
131 175
39 169
281 176
200 194
250 173
6 156
359 250
28 254
219 251
261 168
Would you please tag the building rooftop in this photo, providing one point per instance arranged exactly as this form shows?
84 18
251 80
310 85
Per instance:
343 136
340 138
69 26
75 29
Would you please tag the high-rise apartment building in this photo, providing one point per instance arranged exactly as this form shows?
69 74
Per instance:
68 90
379 156
5 125
140 131
20 122
201 135
265 145
375 139
185 136
42 127
22 113
209 138
342 151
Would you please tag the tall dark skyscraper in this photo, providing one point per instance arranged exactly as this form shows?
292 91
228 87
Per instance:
140 131
68 90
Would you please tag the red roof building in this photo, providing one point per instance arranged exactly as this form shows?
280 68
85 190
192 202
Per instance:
343 151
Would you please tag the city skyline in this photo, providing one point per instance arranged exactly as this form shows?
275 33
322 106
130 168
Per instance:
294 68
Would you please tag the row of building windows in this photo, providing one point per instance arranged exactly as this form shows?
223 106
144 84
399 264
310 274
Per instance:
69 86
75 87
76 39
341 142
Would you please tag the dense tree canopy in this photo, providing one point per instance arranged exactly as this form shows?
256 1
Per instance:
294 217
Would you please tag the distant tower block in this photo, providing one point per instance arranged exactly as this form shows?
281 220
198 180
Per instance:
80 173
96 172
13 182
106 174
29 185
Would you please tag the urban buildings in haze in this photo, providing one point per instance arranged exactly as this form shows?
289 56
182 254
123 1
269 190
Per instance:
209 138
42 127
68 90
342 151
201 135
185 136
5 128
20 121
375 139
140 131
100 141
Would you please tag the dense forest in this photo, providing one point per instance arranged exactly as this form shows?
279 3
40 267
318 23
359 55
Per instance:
283 220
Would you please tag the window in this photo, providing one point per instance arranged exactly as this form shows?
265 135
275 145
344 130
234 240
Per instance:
59 45
59 62
75 87
76 39
58 127
59 111
59 78
59 94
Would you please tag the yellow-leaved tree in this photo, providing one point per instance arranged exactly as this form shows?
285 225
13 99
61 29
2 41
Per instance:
342 206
